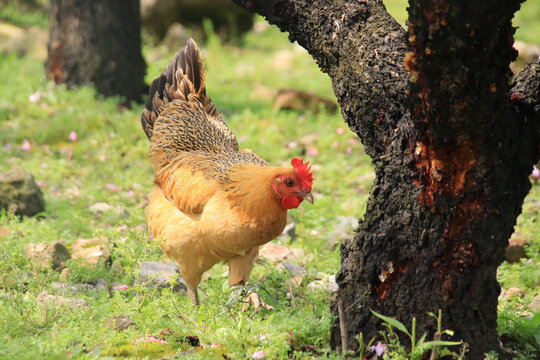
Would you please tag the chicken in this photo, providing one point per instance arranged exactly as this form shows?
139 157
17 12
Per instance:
211 202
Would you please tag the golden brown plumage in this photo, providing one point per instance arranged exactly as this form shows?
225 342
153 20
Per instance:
211 202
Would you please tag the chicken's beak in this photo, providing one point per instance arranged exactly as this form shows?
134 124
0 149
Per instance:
306 195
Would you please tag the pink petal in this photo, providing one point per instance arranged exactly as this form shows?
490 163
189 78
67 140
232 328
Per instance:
121 287
73 136
340 130
313 152
26 145
35 97
535 173
258 355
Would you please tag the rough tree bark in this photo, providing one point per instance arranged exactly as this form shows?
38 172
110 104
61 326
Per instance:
97 42
452 143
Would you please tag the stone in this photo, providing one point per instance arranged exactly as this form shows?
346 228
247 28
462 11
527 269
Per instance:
275 252
535 304
91 250
292 268
526 54
55 300
289 232
513 292
176 37
101 207
227 19
48 254
116 269
4 231
327 282
99 285
516 248
343 231
289 99
19 193
119 322
23 42
158 274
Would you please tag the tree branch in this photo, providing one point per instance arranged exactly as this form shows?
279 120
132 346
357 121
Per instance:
361 47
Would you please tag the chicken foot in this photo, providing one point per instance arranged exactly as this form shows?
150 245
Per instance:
193 295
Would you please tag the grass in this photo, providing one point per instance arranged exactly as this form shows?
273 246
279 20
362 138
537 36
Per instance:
108 163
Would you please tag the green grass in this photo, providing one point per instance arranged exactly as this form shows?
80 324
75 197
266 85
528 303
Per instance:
112 149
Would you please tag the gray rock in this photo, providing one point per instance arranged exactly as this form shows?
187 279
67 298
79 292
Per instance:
176 37
328 283
535 304
158 274
100 284
343 231
289 232
516 248
47 254
295 270
23 42
19 193
56 300
100 207
116 269
119 322
103 207
227 19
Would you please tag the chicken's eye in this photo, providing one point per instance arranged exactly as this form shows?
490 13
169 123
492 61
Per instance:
289 182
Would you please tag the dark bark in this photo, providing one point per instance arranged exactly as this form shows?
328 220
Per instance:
97 42
452 145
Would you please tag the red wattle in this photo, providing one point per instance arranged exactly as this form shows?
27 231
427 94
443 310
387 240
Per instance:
290 202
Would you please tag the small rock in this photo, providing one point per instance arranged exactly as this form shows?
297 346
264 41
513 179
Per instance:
116 269
526 54
535 304
91 250
516 248
158 274
19 193
101 207
45 254
289 232
23 42
176 37
54 300
343 231
119 322
64 274
290 99
513 292
294 269
101 284
4 231
275 252
328 283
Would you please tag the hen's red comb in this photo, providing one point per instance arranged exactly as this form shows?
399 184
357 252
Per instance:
303 171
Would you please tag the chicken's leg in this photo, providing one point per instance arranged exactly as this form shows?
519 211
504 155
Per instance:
239 271
193 295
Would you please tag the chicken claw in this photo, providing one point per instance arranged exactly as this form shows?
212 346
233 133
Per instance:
254 299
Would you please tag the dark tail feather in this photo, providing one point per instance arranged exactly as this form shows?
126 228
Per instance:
183 79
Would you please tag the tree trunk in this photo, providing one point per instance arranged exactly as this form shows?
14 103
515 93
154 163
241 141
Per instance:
97 42
453 145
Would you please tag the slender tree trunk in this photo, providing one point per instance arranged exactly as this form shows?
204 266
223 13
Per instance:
452 143
97 42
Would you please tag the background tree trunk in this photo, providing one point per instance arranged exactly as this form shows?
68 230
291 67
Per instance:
97 42
452 143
